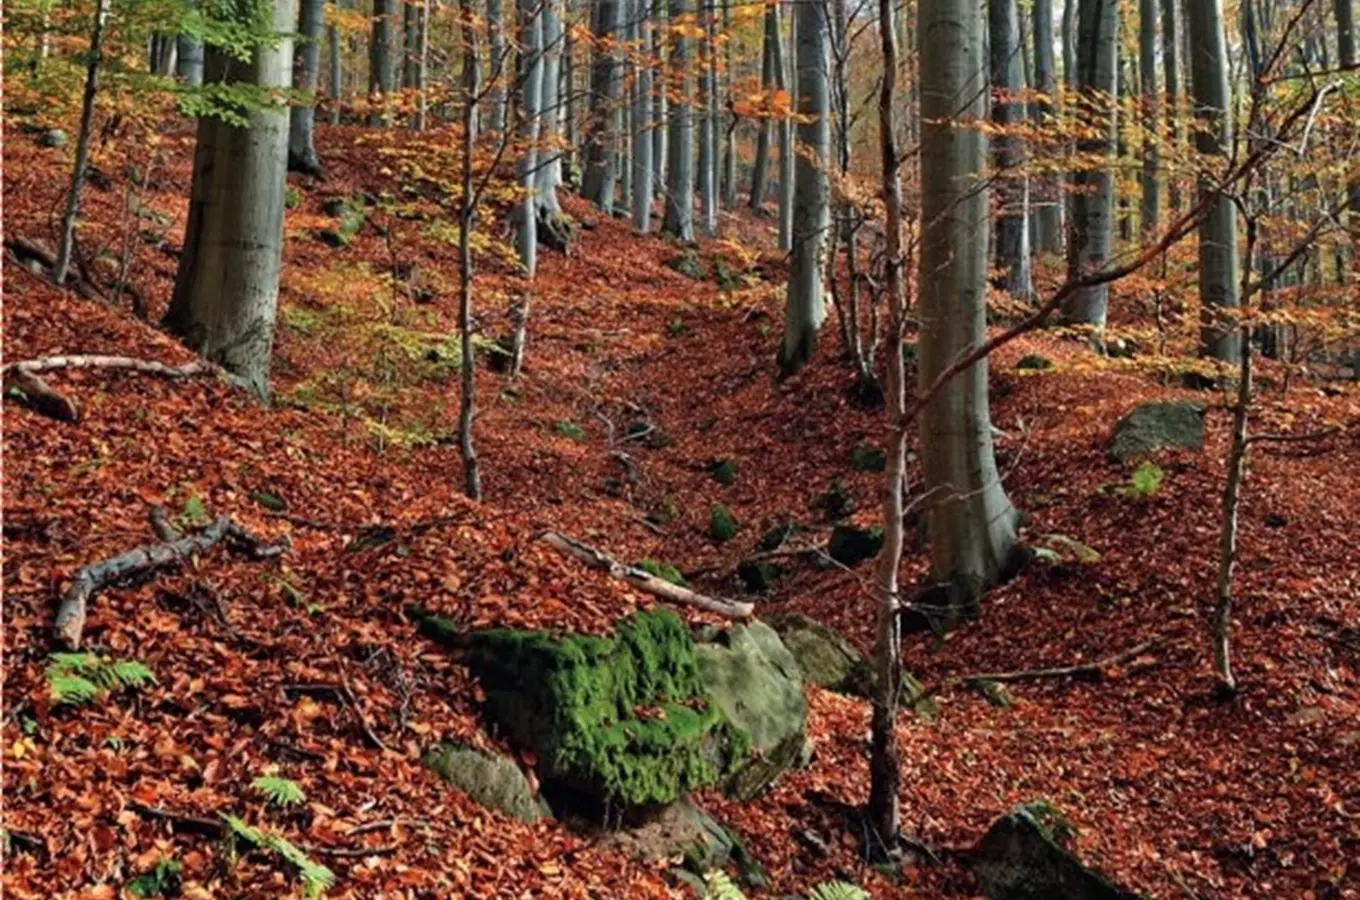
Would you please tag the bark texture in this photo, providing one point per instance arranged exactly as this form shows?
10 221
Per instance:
679 218
1008 112
306 70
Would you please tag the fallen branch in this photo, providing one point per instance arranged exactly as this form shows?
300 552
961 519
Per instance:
1091 668
38 395
644 581
350 852
380 824
97 361
94 578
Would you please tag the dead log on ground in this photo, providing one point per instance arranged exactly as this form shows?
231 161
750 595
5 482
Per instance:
40 397
645 581
94 578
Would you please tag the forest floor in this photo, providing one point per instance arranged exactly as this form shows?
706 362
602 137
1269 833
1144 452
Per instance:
1169 791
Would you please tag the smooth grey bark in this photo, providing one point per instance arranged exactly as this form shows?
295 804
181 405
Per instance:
1219 265
189 58
549 175
471 76
166 49
227 286
786 79
1093 196
306 70
336 79
497 66
1344 13
381 75
1151 211
660 105
422 70
530 112
805 307
971 524
708 127
66 245
1069 38
410 46
679 218
467 401
1008 112
1171 74
885 777
760 170
729 141
601 174
1047 189
643 188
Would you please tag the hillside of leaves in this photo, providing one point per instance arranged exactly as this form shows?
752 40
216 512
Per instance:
639 380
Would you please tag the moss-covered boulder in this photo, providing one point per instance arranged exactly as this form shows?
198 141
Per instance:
755 684
626 720
1020 858
1158 426
824 657
493 781
851 545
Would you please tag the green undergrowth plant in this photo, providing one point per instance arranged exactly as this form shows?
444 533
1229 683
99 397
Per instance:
663 570
279 791
721 887
315 878
75 679
162 881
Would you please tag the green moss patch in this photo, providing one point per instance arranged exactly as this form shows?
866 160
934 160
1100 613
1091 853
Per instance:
721 526
663 570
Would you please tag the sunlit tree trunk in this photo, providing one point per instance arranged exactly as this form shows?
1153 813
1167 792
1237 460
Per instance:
467 406
227 286
1048 190
805 307
1093 195
1008 112
1151 211
971 524
729 141
1346 57
1171 69
306 69
641 35
679 218
381 62
549 175
660 104
530 112
601 150
1069 41
471 76
786 80
708 128
66 246
1219 270
498 66
760 170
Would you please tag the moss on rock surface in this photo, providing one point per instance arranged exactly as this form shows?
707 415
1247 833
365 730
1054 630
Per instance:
625 719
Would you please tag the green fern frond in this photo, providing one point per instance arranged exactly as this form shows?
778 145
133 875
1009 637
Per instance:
280 791
76 678
316 879
238 828
131 673
838 890
71 689
720 887
75 662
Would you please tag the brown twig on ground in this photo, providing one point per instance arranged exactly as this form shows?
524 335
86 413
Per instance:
350 852
380 824
198 824
1091 668
644 581
94 578
347 695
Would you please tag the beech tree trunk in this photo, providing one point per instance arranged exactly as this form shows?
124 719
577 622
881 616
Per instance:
498 65
306 70
1151 211
1093 195
642 122
530 113
1047 189
708 130
760 170
785 76
336 70
679 218
1171 69
381 62
972 526
1008 112
189 59
66 245
660 105
805 307
601 175
1219 265
549 175
467 401
227 286
729 141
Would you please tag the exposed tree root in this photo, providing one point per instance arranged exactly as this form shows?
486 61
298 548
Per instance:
643 581
40 397
94 578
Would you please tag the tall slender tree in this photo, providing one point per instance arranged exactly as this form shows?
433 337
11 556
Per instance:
1219 264
226 289
306 71
606 125
1171 75
189 59
1008 112
530 113
549 175
335 67
805 307
786 81
970 521
381 62
66 246
660 103
708 125
1047 189
760 169
729 140
498 66
641 37
1093 196
679 218
1151 210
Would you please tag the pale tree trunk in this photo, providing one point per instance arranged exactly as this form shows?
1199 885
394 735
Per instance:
1346 56
66 246
805 307
1232 491
642 122
601 149
1171 70
497 65
786 79
569 120
530 112
1008 112
163 59
189 59
336 69
1093 195
549 175
227 286
467 406
971 524
410 45
1151 212
1219 265
660 105
1048 190
306 69
708 128
679 219
885 776
471 76
380 62
422 71
729 163
760 170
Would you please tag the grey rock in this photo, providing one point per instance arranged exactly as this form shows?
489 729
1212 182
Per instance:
1158 426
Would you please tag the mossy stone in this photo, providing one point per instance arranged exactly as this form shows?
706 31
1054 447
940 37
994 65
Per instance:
725 472
1034 362
824 657
721 526
494 781
1018 859
851 545
1158 426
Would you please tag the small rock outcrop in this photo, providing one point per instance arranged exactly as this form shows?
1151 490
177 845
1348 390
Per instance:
494 781
1020 858
1158 426
851 545
824 657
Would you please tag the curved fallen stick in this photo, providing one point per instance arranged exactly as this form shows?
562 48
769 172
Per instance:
39 396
